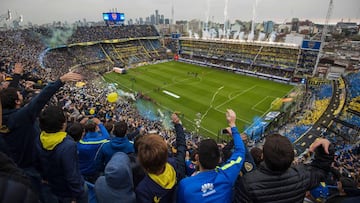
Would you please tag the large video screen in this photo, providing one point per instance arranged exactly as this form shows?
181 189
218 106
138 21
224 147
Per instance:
114 17
311 44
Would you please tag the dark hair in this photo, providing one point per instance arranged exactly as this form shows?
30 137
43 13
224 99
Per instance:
209 154
193 154
109 125
120 129
52 119
278 152
152 153
75 131
90 126
348 184
8 97
256 153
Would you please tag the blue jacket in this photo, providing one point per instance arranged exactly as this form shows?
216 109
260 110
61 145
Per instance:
60 167
117 183
106 151
214 185
88 147
150 191
24 128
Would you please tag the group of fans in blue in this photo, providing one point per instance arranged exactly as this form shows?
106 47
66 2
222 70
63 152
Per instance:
47 158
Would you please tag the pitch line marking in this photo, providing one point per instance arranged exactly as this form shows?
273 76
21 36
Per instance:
247 90
254 106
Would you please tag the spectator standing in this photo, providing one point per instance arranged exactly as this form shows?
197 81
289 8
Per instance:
22 126
119 143
117 183
89 145
347 192
210 184
162 174
59 159
275 180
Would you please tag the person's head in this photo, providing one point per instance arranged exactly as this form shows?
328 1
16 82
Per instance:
257 155
120 129
109 125
209 154
278 152
90 126
152 153
52 119
347 185
76 131
11 98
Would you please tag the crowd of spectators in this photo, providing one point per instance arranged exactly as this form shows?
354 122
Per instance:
278 61
100 33
94 126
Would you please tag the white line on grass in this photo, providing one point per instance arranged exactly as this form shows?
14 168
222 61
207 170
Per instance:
235 96
207 130
211 102
120 83
268 110
171 94
254 106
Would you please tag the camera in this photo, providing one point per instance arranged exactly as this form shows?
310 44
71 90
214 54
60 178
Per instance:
224 131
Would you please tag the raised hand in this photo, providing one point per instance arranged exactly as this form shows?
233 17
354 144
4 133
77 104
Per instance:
231 117
71 77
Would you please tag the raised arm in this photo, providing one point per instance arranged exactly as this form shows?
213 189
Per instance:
35 106
104 133
321 165
180 146
234 164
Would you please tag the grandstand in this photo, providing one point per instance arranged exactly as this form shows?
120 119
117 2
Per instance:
118 49
288 62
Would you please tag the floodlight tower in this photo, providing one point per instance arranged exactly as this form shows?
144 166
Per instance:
323 34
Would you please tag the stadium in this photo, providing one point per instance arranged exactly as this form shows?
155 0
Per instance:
134 74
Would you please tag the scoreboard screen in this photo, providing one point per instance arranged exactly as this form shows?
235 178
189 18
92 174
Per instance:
114 17
311 44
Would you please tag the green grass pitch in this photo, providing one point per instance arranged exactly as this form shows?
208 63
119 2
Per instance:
209 93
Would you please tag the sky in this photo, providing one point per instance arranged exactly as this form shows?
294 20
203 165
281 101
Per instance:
47 11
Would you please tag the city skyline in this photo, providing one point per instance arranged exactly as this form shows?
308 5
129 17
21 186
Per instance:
44 11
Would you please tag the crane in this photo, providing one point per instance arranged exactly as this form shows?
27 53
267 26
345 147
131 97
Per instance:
323 34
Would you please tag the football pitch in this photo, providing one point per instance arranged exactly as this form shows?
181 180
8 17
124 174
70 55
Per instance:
202 94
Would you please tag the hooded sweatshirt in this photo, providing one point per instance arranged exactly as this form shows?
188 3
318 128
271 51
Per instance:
88 146
158 188
60 164
117 183
117 144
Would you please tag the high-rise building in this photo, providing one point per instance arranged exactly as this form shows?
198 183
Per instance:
161 19
157 17
295 25
152 19
268 27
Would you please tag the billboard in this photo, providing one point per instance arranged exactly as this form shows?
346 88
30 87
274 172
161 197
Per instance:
311 44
